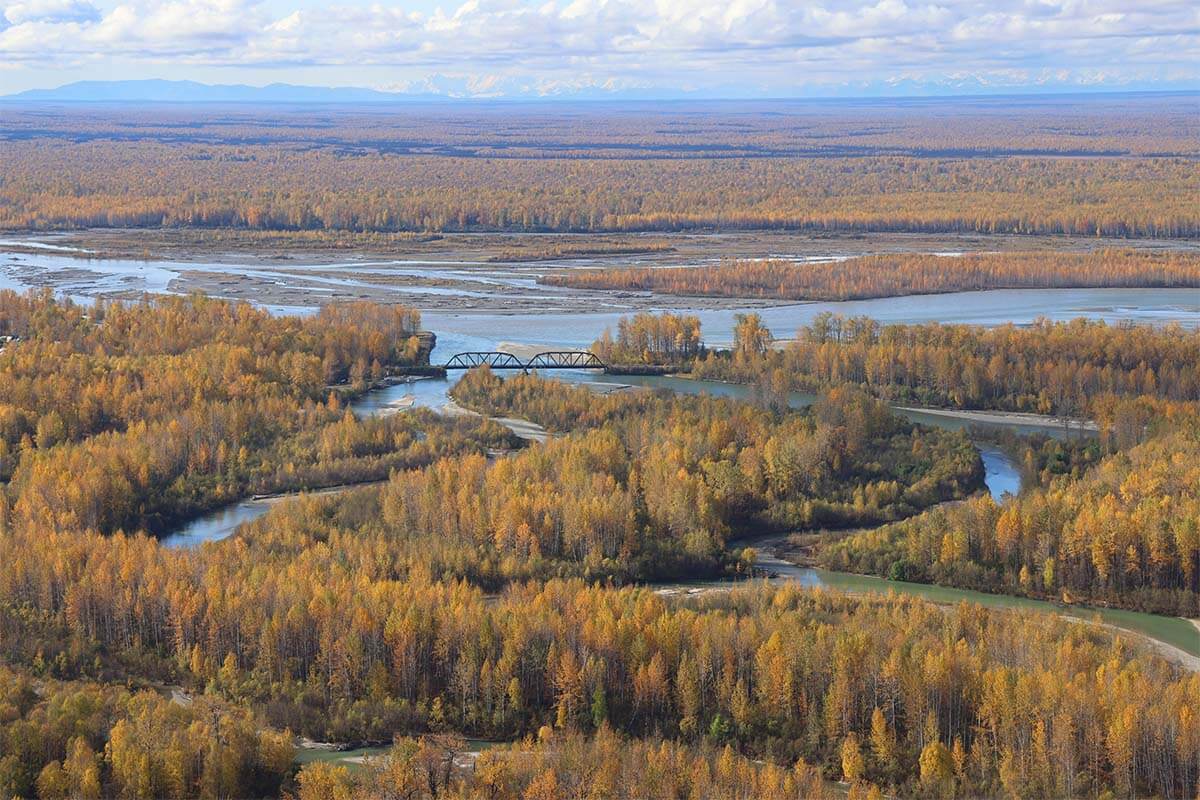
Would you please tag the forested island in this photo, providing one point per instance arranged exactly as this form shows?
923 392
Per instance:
901 274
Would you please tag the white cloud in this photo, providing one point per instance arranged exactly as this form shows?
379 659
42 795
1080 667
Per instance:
51 11
487 46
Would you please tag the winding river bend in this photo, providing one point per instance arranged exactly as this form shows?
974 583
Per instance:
1001 475
83 279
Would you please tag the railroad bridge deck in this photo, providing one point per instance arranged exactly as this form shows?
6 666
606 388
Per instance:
550 359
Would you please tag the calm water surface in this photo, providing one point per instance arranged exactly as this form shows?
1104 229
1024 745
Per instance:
1001 475
217 525
1174 631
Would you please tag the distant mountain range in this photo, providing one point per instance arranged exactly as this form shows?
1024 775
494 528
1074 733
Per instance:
163 91
448 90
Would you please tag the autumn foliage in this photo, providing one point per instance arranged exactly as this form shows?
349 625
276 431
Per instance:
135 415
1125 534
494 591
1066 368
953 170
901 274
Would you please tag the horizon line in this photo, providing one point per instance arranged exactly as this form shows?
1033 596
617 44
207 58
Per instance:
671 96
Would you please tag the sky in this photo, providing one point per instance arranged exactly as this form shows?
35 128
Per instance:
702 48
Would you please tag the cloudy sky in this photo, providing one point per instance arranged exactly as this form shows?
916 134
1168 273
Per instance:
548 47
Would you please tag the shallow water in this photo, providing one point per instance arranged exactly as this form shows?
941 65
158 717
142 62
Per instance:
217 525
86 278
1000 473
1002 476
990 308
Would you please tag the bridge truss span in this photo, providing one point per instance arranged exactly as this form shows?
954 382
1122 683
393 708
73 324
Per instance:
478 359
550 359
565 359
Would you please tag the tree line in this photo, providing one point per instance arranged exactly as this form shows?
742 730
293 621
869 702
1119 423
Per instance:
1130 126
900 274
83 739
711 465
1070 368
479 595
879 691
660 339
127 182
134 415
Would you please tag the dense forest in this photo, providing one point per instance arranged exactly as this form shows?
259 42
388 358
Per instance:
83 739
648 487
150 185
1126 533
901 274
847 460
1112 521
134 415
894 694
885 694
641 168
1065 368
484 589
659 339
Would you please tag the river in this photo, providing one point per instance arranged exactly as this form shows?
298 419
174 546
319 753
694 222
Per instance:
85 279
987 308
1177 633
1000 473
505 301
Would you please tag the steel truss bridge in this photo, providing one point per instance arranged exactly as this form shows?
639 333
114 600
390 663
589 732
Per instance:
551 359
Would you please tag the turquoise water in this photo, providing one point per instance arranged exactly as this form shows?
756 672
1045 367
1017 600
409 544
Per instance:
1175 631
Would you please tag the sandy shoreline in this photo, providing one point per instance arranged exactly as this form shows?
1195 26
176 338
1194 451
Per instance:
1007 418
523 428
496 248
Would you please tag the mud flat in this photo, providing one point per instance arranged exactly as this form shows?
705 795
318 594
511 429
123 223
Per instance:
307 247
458 276
523 428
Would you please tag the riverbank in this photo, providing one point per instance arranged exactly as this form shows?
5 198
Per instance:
453 275
1175 638
394 395
522 428
1010 418
666 247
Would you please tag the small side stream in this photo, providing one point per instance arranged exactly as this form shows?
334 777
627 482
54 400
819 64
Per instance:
1001 474
1177 632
